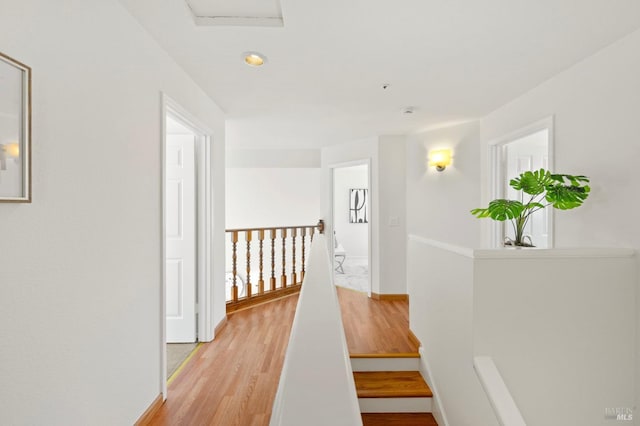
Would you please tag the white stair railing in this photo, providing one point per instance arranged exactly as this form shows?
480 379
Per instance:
500 398
316 385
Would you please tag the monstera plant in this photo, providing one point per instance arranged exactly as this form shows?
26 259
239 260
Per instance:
538 189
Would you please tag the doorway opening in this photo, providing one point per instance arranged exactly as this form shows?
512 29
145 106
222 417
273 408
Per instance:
527 149
352 227
186 237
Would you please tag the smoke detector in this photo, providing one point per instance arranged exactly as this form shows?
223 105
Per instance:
408 110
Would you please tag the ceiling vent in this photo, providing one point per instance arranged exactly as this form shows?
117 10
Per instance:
237 13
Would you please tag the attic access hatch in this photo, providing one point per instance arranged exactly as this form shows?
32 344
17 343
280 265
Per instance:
239 13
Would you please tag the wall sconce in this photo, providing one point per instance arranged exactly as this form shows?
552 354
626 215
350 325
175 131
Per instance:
9 151
440 159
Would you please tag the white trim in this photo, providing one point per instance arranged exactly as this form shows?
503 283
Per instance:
567 253
529 253
203 234
496 171
163 249
436 409
203 237
331 228
184 117
543 124
362 162
462 251
497 392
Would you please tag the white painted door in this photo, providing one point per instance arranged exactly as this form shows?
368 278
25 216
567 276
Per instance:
529 153
180 238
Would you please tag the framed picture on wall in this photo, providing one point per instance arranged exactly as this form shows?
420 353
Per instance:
15 131
358 206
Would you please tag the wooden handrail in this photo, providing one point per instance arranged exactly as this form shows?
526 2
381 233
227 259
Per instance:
289 260
268 228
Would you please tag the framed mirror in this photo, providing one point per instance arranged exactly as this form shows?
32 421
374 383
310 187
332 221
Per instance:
15 131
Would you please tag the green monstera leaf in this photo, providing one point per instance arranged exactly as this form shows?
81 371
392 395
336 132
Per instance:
532 183
567 197
544 189
567 191
570 179
500 210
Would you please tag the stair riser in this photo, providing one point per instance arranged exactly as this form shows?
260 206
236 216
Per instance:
385 364
395 405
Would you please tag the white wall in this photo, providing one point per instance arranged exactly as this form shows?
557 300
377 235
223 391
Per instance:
393 214
595 106
354 237
273 158
553 334
265 197
438 203
562 337
440 284
80 267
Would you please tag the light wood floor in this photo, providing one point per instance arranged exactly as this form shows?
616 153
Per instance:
233 380
375 326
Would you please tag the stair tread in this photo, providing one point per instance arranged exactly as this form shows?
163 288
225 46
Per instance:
391 384
398 419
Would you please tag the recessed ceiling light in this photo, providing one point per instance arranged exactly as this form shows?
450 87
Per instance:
254 59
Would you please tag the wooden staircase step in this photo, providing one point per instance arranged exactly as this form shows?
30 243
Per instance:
398 419
391 384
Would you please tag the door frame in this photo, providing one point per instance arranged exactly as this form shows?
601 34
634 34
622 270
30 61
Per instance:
497 166
332 167
204 227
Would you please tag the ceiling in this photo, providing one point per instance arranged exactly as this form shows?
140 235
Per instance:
453 60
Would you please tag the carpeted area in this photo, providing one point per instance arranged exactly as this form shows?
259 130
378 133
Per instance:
356 275
176 354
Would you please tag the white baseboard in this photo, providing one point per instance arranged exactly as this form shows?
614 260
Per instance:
437 409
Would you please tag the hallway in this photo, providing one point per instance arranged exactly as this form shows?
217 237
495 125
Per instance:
233 380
